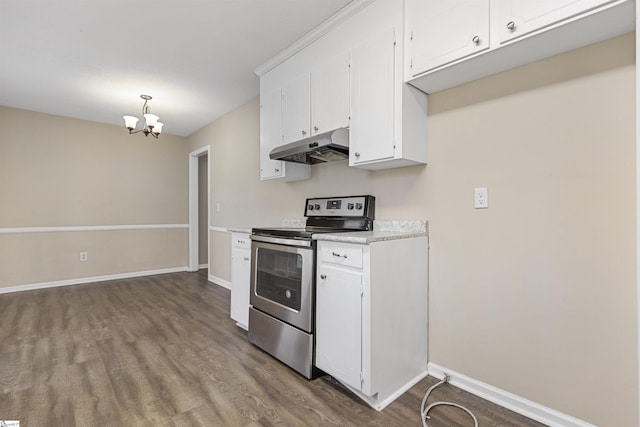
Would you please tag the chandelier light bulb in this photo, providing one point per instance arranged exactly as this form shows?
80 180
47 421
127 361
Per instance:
151 120
130 122
158 127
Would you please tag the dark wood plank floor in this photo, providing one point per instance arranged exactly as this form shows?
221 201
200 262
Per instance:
162 351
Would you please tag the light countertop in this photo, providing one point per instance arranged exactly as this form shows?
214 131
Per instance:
382 230
239 230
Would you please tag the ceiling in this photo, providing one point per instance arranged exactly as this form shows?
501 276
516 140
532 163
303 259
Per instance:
92 59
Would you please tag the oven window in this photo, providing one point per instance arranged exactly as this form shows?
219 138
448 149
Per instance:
279 277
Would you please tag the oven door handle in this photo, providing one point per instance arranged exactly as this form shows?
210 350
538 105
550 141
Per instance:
281 241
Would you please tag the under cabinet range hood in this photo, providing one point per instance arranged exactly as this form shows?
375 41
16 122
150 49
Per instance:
325 147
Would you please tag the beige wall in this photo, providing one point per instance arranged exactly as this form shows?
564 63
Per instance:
535 295
60 172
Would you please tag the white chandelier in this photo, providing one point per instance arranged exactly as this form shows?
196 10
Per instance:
152 125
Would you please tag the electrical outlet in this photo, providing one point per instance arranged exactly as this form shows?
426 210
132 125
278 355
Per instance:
217 206
481 200
84 256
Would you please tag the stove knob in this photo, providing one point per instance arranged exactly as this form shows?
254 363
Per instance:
350 206
358 206
310 207
316 207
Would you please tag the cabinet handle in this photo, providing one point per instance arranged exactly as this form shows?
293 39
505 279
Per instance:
241 242
475 40
246 258
304 132
277 170
357 154
338 255
323 276
315 128
511 25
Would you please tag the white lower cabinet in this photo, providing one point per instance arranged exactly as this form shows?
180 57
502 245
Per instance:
338 338
371 316
240 278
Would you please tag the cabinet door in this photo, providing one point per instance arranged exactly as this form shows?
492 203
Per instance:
295 109
240 279
443 31
330 95
520 17
339 323
372 100
270 134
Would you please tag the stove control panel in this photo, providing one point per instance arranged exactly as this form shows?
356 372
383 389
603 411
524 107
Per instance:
352 206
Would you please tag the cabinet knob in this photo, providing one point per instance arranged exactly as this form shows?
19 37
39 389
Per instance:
323 276
315 128
304 132
511 25
475 40
277 170
357 154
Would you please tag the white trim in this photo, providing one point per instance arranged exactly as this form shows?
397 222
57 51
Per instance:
203 266
16 230
220 282
380 405
637 202
333 21
193 255
518 404
220 229
82 280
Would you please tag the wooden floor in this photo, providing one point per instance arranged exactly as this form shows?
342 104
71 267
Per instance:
162 351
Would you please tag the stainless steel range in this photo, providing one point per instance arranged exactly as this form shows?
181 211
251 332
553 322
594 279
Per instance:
283 268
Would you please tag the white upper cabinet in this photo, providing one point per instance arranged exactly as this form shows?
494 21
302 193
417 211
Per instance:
521 17
296 109
453 42
442 31
351 75
316 101
271 137
372 94
388 118
330 95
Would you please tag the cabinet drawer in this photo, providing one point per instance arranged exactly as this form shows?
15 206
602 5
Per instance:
240 240
347 255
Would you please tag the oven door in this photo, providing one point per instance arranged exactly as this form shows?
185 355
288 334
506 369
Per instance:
282 282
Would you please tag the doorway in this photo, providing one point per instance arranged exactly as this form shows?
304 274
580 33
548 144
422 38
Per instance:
199 179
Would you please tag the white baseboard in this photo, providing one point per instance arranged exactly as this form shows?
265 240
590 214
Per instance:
518 404
379 405
203 266
220 282
82 280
